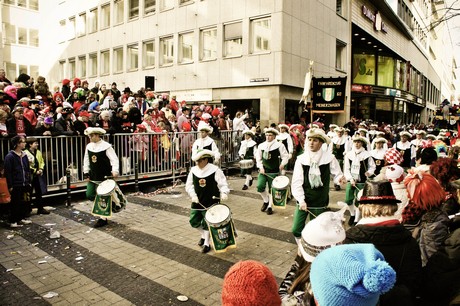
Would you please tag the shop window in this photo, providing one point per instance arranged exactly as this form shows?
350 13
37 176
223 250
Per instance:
364 68
386 68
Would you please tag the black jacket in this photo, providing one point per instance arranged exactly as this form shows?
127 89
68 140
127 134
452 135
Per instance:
401 251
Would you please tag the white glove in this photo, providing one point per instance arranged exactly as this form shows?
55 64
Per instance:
303 206
195 199
290 155
223 197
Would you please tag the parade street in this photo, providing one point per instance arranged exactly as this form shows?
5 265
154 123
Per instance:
146 255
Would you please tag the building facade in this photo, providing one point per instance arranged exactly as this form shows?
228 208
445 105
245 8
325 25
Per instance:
251 54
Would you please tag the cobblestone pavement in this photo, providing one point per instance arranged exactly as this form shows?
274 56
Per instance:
147 255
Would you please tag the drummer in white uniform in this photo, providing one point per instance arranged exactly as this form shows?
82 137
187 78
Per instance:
206 185
285 138
247 151
204 142
311 178
100 161
271 158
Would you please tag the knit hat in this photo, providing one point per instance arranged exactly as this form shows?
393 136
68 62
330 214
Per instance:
351 274
321 233
393 156
65 82
378 192
319 134
252 283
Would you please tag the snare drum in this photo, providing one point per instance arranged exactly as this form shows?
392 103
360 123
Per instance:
221 228
246 164
280 191
109 199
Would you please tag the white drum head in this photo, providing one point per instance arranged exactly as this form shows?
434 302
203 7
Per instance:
280 182
106 187
217 214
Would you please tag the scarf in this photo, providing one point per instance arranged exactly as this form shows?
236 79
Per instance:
355 163
314 175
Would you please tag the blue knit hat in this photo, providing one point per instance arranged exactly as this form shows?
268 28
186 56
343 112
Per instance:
351 274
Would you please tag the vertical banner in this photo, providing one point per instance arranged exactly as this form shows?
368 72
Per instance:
329 94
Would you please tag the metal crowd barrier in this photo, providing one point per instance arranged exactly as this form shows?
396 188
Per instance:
143 157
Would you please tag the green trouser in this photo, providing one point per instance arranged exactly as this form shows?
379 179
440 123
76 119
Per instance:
91 190
300 216
263 179
197 218
351 193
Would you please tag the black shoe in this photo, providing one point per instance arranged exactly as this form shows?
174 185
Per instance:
206 249
351 221
100 223
264 206
201 242
269 211
42 211
337 187
250 182
245 187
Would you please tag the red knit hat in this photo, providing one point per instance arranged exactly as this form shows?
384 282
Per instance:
65 82
252 283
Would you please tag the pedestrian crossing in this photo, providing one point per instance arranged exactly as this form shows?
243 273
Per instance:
147 255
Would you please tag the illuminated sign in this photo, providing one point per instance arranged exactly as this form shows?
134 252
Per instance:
376 19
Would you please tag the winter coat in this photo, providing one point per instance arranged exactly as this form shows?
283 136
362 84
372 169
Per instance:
401 251
17 170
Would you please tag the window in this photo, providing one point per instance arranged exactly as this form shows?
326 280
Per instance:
166 4
10 34
12 2
386 69
92 21
166 51
149 6
23 69
92 65
22 3
62 31
72 71
341 7
133 57
11 71
105 16
261 35
233 39
71 28
181 2
34 39
133 9
82 66
34 71
105 62
148 53
118 60
340 55
208 44
62 73
186 48
119 11
33 5
81 24
22 36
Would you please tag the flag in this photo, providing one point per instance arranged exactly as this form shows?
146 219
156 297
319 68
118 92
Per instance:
307 85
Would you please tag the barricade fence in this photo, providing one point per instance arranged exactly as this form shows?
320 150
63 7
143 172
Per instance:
142 157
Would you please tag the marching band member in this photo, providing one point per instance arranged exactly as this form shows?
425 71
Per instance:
338 147
271 158
406 149
332 130
206 185
418 141
378 153
285 138
247 151
311 178
205 142
359 165
99 161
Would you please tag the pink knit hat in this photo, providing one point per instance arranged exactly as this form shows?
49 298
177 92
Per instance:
252 283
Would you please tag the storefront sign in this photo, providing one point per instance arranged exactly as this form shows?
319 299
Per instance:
376 19
329 94
361 88
199 95
259 80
